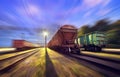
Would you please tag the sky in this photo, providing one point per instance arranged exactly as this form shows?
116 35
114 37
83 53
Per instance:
27 19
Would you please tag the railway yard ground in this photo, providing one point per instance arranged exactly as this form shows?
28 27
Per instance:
40 63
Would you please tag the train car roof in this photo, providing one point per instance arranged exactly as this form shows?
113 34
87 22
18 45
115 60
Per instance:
99 32
69 27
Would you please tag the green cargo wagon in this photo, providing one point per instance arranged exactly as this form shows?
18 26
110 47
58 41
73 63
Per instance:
93 41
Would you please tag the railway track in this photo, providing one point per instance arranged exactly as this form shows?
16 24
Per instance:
105 66
13 61
7 58
111 52
11 55
12 51
115 60
107 52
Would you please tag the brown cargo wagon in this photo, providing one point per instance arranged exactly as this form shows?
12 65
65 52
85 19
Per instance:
64 40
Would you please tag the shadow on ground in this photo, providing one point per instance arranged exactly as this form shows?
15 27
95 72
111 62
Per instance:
50 70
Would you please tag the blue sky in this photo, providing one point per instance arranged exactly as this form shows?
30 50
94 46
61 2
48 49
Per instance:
32 17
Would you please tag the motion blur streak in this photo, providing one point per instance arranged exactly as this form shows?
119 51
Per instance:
31 17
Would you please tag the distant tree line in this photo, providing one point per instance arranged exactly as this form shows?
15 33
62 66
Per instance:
112 30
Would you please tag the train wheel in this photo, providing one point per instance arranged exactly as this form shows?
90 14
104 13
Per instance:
78 51
85 48
66 50
98 49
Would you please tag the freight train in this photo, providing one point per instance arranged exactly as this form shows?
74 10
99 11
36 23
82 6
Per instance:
64 40
23 45
93 41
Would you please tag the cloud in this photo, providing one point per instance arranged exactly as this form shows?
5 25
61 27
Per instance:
87 14
11 16
8 27
103 12
106 2
29 9
30 12
3 22
93 3
33 10
86 5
